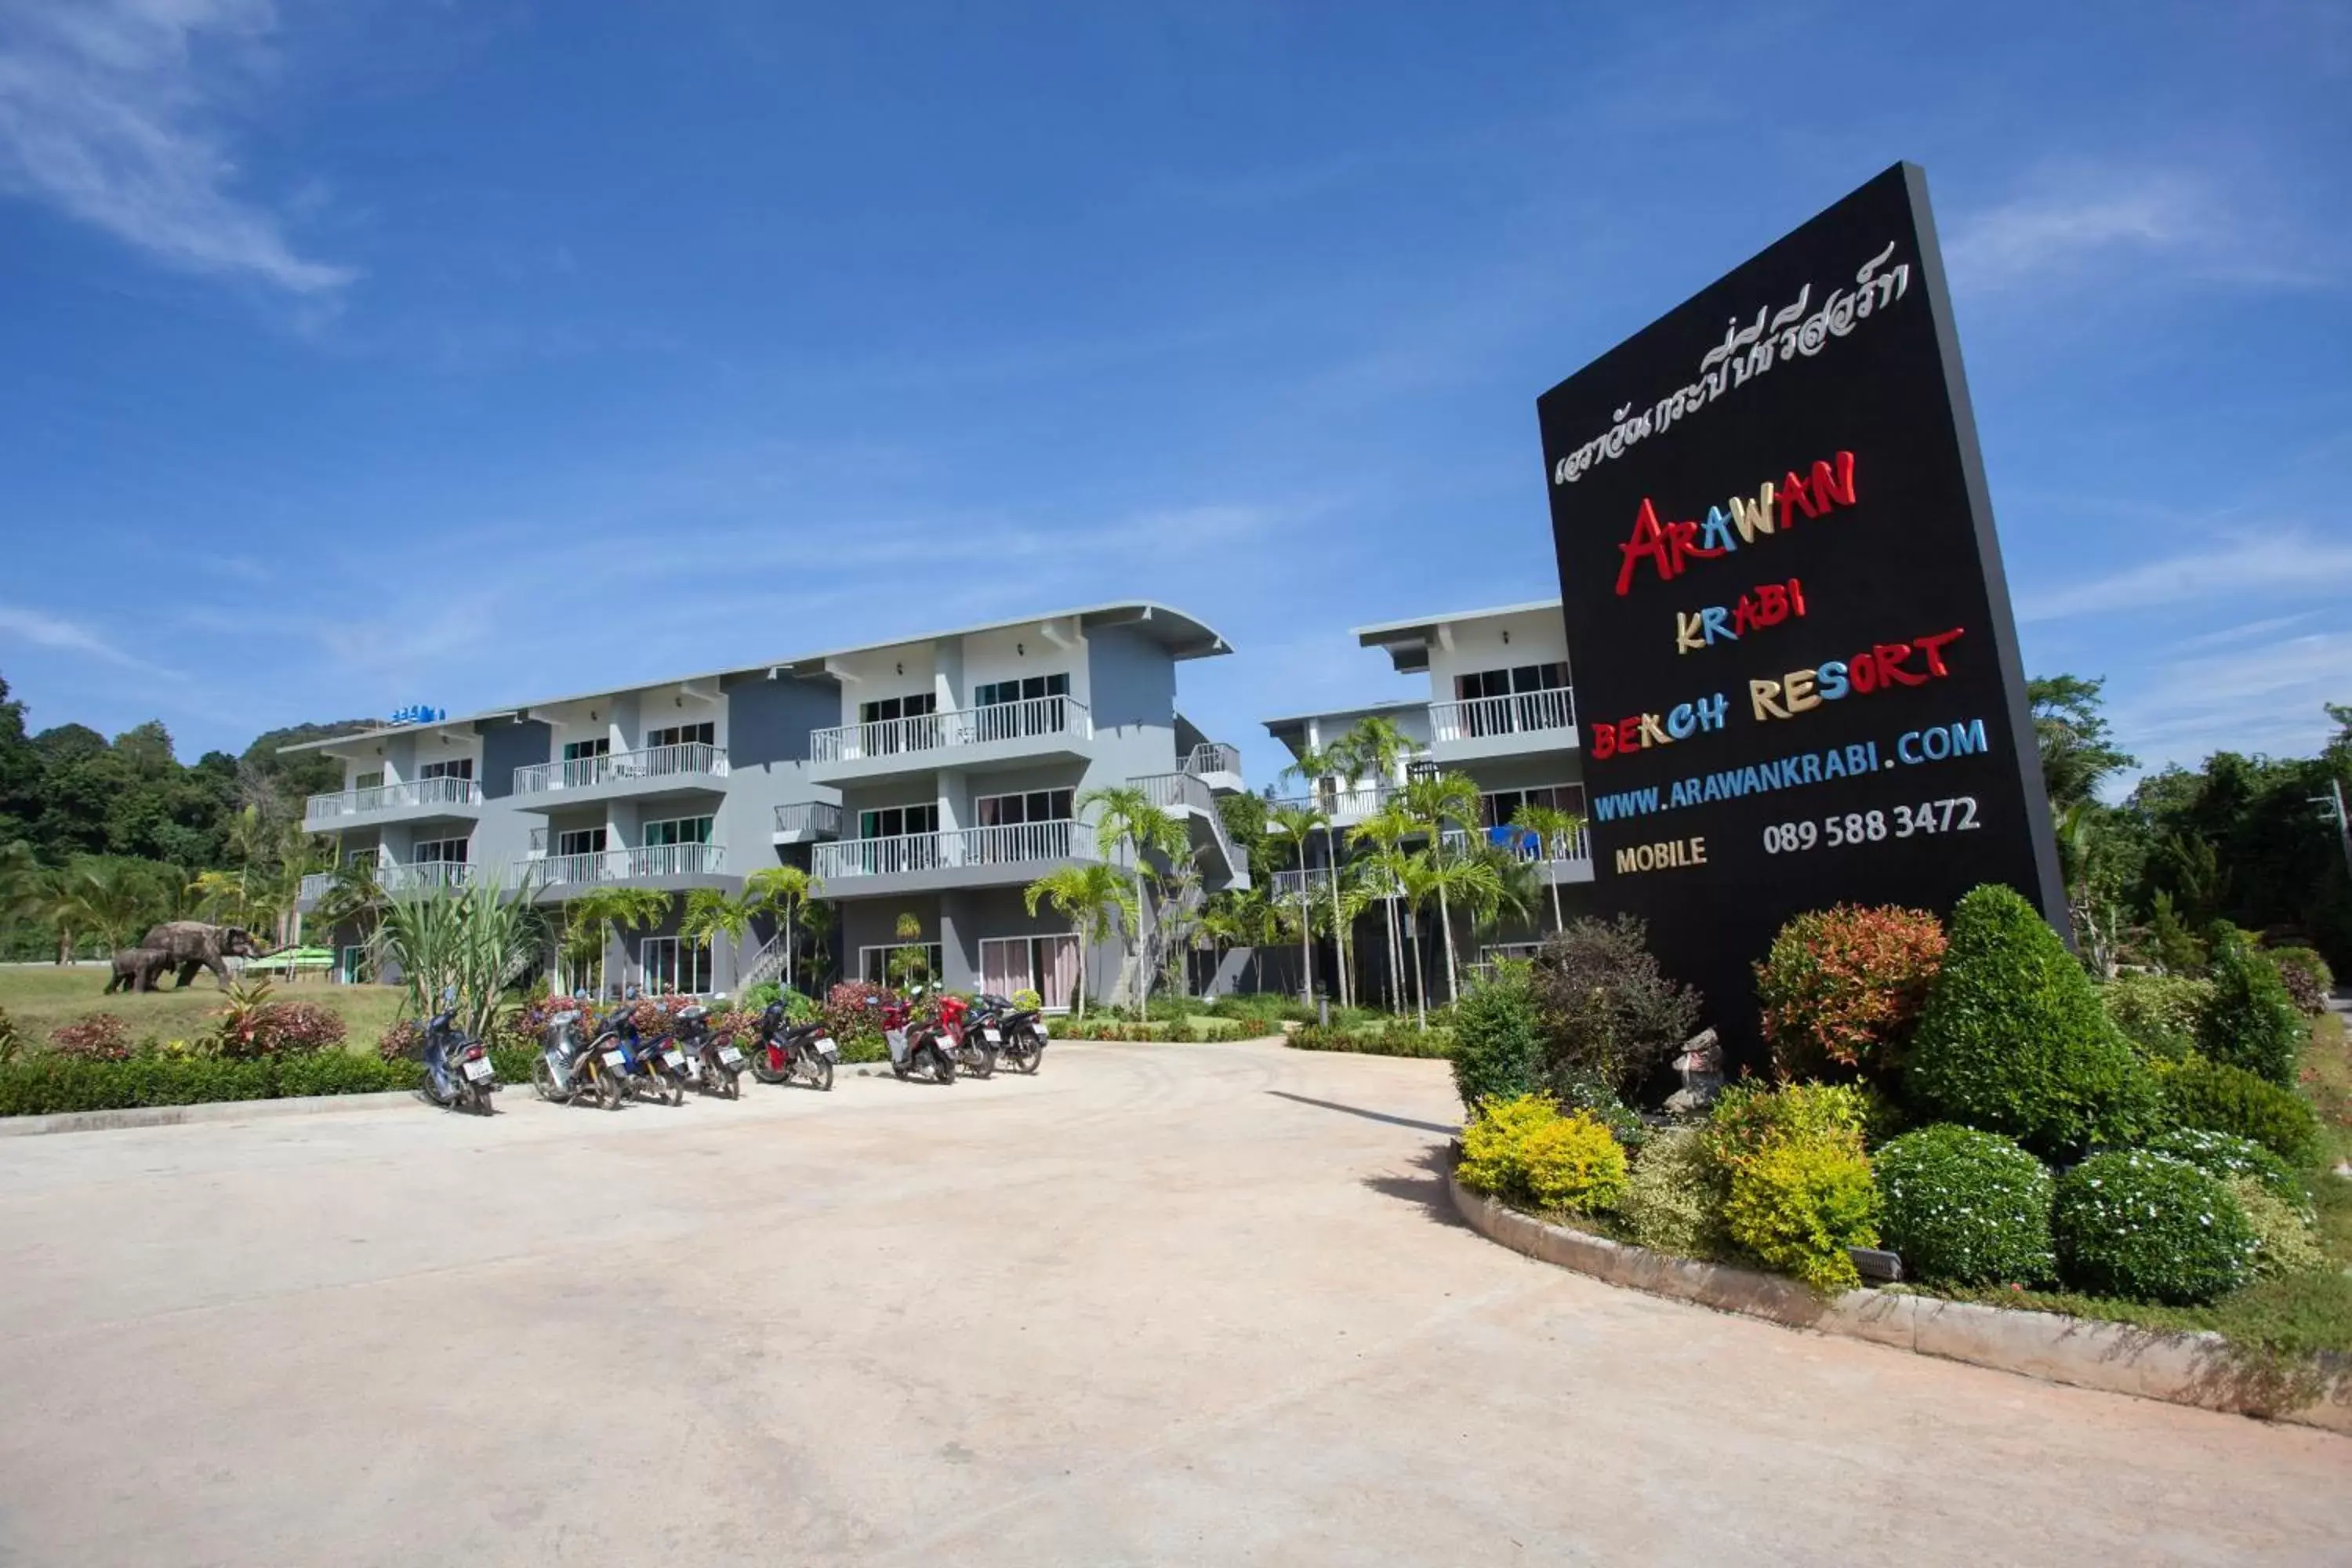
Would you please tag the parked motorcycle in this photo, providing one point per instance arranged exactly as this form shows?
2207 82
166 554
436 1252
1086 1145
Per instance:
913 1040
566 1067
1019 1033
653 1069
784 1052
457 1071
716 1065
966 1042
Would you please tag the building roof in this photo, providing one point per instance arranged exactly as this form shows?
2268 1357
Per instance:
1182 635
1407 641
1348 710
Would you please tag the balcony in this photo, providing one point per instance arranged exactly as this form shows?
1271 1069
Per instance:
1189 796
416 800
562 875
1036 729
955 857
690 769
806 821
1215 764
418 877
1524 723
1565 858
1345 805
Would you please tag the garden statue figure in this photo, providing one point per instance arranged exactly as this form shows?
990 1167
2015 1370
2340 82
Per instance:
192 945
1700 1065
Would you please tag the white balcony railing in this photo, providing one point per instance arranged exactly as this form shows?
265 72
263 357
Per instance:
692 759
630 865
424 876
1187 792
329 808
1018 844
1345 804
815 818
1573 846
1213 757
314 886
1034 718
1524 712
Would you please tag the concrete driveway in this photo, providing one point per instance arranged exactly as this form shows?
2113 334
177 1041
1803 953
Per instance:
1160 1304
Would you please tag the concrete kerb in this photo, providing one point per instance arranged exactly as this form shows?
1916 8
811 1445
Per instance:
2197 1369
207 1110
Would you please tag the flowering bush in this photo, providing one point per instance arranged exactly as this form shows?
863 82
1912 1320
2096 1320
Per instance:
2306 977
2251 1022
2230 1157
1523 1148
2225 1099
1967 1208
100 1037
848 1018
2158 1013
279 1029
404 1040
1798 1191
2150 1228
2282 1233
1673 1198
2013 1039
1842 989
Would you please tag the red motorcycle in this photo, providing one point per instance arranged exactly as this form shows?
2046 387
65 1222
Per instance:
914 1039
968 1046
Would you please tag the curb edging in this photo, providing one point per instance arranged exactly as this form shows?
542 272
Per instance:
2178 1368
202 1111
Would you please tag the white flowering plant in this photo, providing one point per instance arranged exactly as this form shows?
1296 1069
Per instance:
2150 1228
1966 1207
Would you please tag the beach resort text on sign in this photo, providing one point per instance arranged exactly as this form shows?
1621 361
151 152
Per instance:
1796 672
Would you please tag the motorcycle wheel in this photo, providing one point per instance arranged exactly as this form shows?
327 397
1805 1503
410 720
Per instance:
766 1074
543 1079
820 1074
984 1067
610 1091
675 1094
1030 1059
942 1065
731 1085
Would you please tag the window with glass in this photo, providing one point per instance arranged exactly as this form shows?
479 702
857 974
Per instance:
1008 709
580 841
678 830
990 693
1497 807
674 966
457 768
895 821
439 849
1533 706
884 734
580 751
919 965
703 734
370 779
1033 805
1046 964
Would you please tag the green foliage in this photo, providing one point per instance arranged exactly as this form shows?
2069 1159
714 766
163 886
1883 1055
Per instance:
2158 1013
2150 1228
2077 746
11 1042
49 1084
2230 1157
2306 976
2283 1243
1842 989
1967 1208
1394 1042
1608 1010
1497 1038
2014 1040
2225 1099
1798 1189
2251 1022
1523 1150
759 998
1673 1199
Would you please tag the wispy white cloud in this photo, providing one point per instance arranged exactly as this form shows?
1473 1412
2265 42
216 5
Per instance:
2073 217
2263 699
109 110
43 629
2291 562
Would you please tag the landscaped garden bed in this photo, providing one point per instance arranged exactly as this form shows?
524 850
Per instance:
2156 1153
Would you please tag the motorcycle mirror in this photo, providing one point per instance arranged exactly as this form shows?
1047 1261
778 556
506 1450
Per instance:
449 996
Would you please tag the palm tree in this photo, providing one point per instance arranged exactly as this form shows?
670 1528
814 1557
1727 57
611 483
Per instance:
1435 800
1086 894
355 893
113 899
1469 880
1554 829
1376 749
710 914
1338 763
1125 817
783 893
1295 823
596 916
1386 831
1179 917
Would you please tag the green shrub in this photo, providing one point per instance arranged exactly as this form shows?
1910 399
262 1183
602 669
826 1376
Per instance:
2223 1098
2150 1228
1798 1190
1842 989
1595 1097
761 998
1497 1038
2251 1022
2228 1156
2014 1041
2158 1013
280 1029
2309 980
11 1041
1674 1197
1608 1010
1406 1042
49 1084
1573 1163
1965 1208
1492 1139
2283 1243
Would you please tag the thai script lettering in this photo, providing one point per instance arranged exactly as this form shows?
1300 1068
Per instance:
1747 352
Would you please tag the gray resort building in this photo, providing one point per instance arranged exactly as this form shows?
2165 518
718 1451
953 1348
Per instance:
935 777
1498 706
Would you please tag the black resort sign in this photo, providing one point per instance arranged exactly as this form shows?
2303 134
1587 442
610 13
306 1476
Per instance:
1797 677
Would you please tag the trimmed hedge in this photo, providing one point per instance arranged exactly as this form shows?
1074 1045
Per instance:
1965 1208
1373 1042
2015 1040
1523 1149
2230 1157
1798 1187
2225 1099
2251 1022
1842 989
2151 1228
1497 1038
49 1084
2158 1013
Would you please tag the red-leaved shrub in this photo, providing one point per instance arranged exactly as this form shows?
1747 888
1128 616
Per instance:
280 1029
1843 988
403 1042
847 1015
100 1037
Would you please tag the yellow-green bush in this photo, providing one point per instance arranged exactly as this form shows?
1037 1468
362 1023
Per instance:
1673 1199
1799 1186
1522 1148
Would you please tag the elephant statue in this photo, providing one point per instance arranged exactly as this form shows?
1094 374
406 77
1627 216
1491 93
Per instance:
136 969
191 945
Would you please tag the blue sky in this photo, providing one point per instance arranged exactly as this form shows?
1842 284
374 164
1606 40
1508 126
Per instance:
359 354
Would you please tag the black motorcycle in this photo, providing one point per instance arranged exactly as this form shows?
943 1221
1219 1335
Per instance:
716 1065
1018 1034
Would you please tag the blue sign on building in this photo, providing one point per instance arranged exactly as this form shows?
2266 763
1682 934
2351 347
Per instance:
419 714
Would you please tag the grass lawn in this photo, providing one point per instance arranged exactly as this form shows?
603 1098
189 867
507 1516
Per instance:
37 997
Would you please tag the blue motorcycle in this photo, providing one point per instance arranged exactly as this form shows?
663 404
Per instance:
457 1071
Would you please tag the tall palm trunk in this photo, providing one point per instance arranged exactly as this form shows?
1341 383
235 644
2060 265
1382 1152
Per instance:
1559 920
1306 931
1420 981
1142 942
1396 955
1339 931
1446 921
